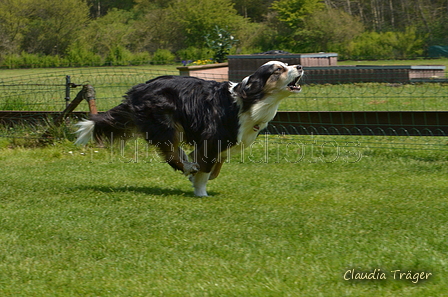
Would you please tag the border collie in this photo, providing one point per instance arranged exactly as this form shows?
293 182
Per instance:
213 117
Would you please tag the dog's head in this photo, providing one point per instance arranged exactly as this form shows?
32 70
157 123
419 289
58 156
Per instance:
274 80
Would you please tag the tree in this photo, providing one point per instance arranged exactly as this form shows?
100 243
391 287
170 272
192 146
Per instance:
14 20
108 32
52 25
332 29
185 24
253 9
147 5
155 30
293 12
197 18
293 35
99 8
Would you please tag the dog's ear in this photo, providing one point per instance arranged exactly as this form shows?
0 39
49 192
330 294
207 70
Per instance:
243 87
250 86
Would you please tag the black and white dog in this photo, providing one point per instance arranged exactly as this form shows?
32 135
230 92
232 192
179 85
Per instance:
213 117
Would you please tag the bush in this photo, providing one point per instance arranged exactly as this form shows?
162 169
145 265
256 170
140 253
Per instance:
52 61
385 45
118 56
77 55
193 54
10 61
220 41
30 60
408 44
26 60
331 29
141 58
163 56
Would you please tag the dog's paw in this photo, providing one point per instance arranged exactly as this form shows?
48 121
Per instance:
200 193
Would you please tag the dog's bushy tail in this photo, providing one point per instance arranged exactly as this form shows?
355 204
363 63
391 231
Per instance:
111 125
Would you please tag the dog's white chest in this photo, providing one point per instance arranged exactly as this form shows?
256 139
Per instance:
255 120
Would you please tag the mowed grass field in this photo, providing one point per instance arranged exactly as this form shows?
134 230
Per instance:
111 222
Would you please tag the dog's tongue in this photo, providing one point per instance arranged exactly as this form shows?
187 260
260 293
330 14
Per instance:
256 128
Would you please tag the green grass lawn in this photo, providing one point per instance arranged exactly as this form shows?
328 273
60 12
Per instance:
90 222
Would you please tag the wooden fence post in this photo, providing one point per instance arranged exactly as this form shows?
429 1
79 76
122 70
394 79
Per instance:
88 93
90 97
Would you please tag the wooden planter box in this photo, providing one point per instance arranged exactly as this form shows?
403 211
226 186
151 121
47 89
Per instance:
218 72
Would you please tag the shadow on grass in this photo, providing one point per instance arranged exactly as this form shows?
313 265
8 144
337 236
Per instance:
155 191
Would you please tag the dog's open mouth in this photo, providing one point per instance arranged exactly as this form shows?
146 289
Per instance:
294 85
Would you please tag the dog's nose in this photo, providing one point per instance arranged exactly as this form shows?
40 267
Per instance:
299 67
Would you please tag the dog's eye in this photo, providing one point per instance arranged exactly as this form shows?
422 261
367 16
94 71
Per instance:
279 70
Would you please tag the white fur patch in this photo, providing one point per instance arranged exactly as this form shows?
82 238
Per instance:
259 115
199 181
85 132
276 63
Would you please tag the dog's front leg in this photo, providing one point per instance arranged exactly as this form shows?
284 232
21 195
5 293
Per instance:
199 181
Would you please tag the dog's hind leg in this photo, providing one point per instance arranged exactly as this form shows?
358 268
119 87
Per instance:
177 158
216 169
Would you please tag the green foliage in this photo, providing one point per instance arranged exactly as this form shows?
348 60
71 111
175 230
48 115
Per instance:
11 61
251 38
293 34
255 10
118 55
26 60
197 18
331 30
141 58
77 55
53 25
194 53
99 8
30 59
386 45
220 41
32 32
104 35
15 16
293 12
163 56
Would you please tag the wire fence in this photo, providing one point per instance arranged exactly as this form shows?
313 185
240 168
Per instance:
370 97
48 91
